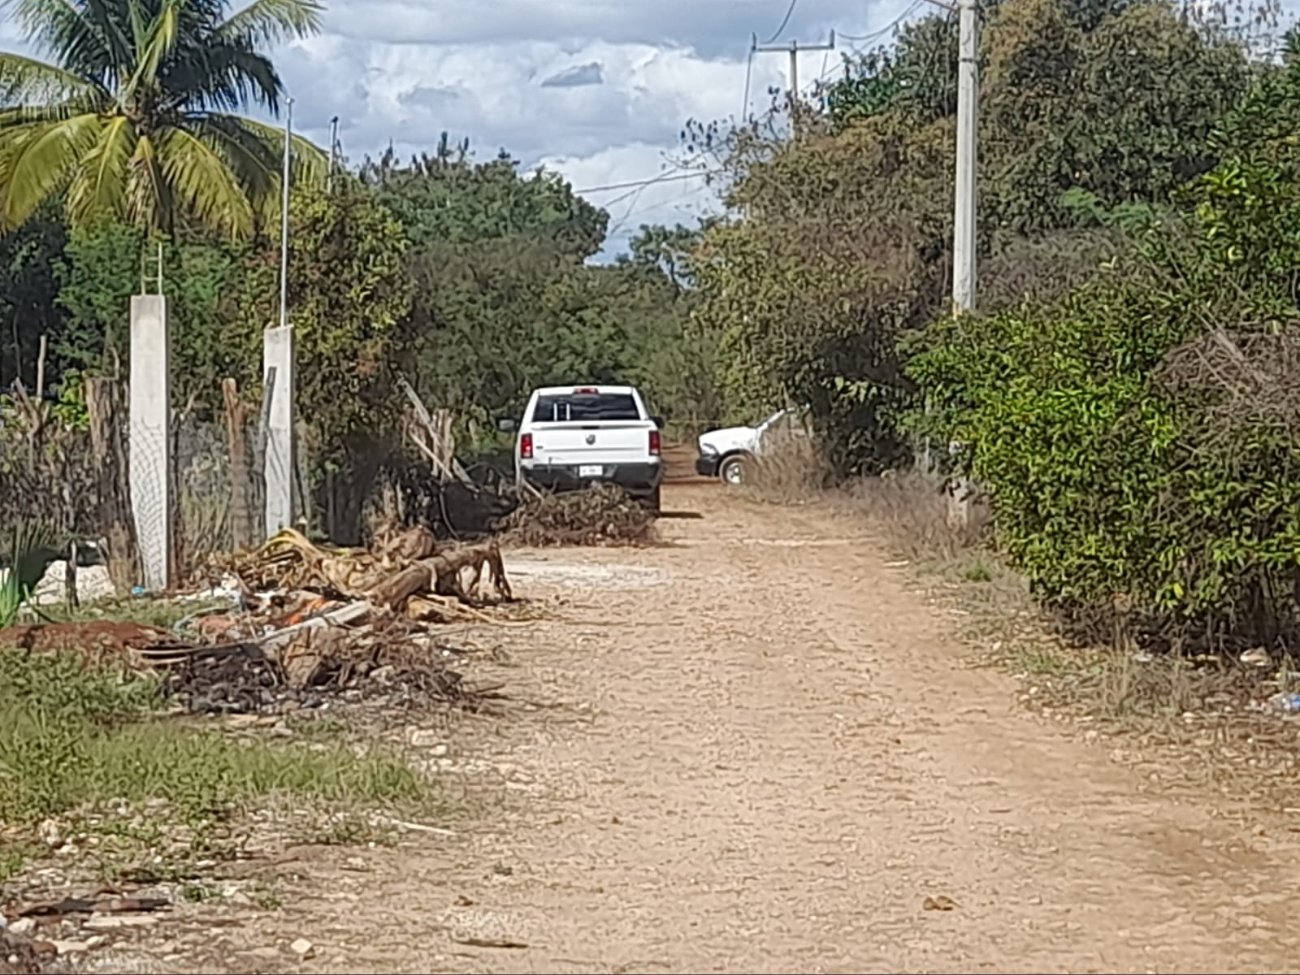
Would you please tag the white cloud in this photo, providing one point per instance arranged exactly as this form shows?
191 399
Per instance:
401 72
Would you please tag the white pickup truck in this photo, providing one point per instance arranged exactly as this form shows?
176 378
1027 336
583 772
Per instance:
574 436
727 453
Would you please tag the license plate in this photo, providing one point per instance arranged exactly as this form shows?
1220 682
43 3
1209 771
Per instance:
590 470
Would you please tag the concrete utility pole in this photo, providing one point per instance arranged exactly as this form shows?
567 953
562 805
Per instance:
280 461
964 208
284 215
793 48
334 145
963 227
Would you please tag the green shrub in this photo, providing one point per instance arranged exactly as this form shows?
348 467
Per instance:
1140 461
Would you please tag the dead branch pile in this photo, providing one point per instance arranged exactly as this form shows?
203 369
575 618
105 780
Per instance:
1239 376
400 566
308 622
601 515
394 662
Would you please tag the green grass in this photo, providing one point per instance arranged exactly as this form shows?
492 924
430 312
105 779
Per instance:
75 737
162 613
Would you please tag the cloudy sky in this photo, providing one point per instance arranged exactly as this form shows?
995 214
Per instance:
598 90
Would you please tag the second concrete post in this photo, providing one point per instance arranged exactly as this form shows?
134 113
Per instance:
278 355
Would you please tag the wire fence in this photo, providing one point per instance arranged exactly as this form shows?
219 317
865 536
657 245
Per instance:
198 489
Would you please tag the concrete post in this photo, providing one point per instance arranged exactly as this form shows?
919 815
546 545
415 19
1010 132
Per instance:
150 438
278 354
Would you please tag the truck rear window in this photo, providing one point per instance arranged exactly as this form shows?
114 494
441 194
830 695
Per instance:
585 408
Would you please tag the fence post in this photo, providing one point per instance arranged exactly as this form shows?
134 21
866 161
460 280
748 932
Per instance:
151 474
278 367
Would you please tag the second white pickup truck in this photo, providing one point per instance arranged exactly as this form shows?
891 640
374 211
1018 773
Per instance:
574 436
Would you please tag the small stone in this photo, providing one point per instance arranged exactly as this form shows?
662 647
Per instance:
22 927
110 922
439 749
303 948
423 737
71 947
50 833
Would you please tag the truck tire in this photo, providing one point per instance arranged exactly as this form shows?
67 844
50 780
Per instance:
653 501
733 470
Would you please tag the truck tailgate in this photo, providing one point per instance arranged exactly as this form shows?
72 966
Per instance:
608 442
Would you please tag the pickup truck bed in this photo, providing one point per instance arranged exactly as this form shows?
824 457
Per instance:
571 437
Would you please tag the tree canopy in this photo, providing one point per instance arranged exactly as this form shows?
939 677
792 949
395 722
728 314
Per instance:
132 117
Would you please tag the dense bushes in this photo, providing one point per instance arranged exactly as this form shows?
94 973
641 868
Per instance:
1135 437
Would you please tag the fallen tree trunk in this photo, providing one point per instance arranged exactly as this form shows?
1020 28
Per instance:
441 574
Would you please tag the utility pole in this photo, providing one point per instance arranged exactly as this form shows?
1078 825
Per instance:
793 49
963 226
964 210
279 463
284 216
334 145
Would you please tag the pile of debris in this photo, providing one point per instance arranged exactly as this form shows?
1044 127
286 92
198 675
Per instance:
304 623
601 515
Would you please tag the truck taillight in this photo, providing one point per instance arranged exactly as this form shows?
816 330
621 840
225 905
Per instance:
526 446
655 443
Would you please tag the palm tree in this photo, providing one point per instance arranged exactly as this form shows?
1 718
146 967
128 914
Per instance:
132 115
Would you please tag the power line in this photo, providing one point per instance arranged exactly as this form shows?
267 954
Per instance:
789 11
637 183
671 202
859 38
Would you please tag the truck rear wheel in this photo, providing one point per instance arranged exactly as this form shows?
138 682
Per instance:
733 469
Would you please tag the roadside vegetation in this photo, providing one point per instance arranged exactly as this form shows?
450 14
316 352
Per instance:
1122 398
86 750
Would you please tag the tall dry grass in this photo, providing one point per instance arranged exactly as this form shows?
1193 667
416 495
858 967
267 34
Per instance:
790 469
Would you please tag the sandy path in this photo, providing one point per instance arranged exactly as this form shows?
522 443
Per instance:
772 753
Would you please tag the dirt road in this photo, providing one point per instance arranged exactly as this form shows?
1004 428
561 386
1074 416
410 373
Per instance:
761 751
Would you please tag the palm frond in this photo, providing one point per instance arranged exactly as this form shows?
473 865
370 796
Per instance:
27 115
35 160
99 185
110 22
263 147
148 202
160 42
26 81
222 77
29 545
265 22
309 161
255 163
203 183
62 30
